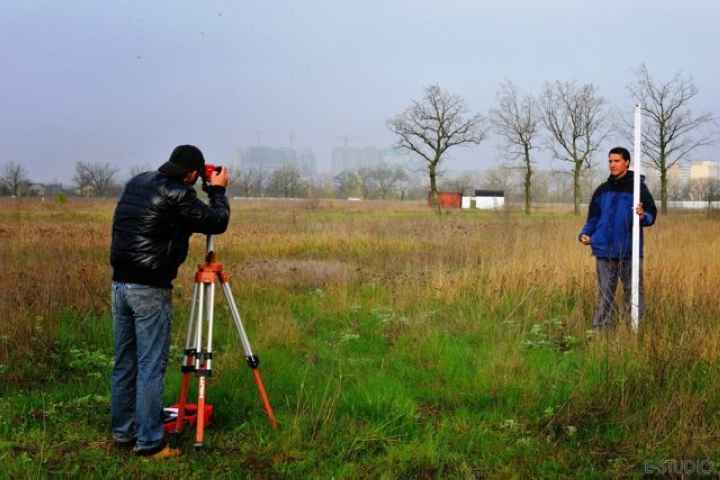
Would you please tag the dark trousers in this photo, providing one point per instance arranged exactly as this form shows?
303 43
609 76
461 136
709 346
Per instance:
609 271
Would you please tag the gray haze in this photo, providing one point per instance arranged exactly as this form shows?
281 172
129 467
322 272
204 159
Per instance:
124 82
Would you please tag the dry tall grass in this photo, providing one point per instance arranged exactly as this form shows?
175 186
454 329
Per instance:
55 258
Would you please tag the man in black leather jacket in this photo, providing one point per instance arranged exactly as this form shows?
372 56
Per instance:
154 219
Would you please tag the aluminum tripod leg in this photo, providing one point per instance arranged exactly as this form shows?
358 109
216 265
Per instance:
252 360
206 361
188 360
198 326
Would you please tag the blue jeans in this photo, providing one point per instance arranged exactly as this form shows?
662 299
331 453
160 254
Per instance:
141 328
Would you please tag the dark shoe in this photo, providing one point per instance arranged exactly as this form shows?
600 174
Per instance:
124 444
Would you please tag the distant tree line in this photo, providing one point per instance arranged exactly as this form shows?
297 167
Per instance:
91 179
570 120
369 183
377 182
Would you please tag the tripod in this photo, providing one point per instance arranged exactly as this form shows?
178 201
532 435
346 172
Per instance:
198 359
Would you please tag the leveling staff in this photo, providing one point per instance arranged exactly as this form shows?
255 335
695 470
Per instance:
153 221
608 231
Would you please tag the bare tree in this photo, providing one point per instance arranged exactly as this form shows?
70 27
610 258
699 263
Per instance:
321 186
94 179
347 184
415 187
575 119
701 189
380 181
517 121
249 182
387 178
541 191
678 188
459 183
15 179
713 194
367 183
561 186
287 182
434 124
498 178
672 131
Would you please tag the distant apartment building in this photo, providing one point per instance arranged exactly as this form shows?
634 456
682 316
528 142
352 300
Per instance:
306 162
352 158
268 159
704 170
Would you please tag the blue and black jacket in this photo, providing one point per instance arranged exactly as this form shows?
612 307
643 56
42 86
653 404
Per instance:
610 217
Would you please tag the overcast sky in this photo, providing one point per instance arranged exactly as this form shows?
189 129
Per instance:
124 82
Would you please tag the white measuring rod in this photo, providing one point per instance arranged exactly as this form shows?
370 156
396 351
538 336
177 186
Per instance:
635 280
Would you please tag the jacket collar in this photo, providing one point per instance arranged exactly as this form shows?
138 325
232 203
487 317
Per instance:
627 178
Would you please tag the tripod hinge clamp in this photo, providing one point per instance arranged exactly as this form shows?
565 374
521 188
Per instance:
253 361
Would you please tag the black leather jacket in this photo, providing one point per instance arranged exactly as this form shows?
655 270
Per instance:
152 225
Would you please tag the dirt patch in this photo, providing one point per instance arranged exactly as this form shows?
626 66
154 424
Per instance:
303 273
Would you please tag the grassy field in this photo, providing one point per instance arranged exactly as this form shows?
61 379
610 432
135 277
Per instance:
395 343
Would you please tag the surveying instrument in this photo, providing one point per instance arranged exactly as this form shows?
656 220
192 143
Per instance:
198 358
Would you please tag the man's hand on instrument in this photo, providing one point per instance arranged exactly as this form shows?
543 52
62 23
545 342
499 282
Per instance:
220 179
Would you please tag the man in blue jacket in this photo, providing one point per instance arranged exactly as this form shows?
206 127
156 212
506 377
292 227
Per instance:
608 231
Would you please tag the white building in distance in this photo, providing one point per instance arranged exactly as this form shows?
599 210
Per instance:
704 170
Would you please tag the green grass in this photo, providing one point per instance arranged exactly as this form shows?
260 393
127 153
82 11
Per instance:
354 399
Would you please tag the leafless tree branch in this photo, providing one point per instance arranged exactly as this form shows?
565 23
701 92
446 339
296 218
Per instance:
94 179
434 124
575 118
517 121
14 179
672 131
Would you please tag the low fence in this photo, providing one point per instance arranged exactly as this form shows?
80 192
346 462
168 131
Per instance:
481 203
692 205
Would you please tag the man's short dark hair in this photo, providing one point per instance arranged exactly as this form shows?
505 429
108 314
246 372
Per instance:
622 151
